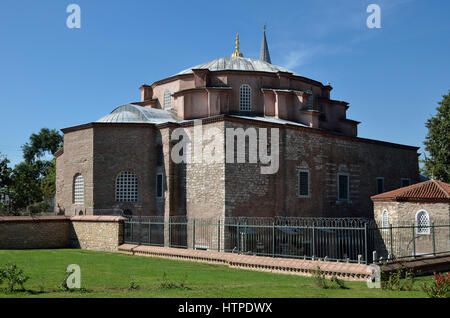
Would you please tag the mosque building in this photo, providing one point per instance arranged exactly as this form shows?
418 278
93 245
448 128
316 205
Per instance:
122 162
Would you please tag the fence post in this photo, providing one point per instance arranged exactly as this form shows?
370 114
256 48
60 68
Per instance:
131 229
218 236
434 239
273 239
238 237
313 242
140 230
170 233
391 237
149 232
193 234
414 240
365 244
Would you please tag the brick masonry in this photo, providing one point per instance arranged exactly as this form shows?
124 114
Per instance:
348 271
104 233
228 189
34 232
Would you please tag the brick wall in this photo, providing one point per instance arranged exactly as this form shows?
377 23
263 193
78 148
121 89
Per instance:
28 232
104 233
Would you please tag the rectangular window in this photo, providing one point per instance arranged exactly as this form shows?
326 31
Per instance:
343 186
303 183
406 182
159 185
380 185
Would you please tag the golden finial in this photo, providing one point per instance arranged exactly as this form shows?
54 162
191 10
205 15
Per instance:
236 52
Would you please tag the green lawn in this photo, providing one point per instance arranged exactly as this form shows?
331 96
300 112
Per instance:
110 275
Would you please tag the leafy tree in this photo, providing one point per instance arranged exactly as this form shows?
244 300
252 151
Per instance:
25 187
5 181
47 140
33 180
437 142
5 172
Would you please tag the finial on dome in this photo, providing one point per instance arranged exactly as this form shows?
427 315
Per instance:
236 52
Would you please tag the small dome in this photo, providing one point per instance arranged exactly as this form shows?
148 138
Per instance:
238 64
130 113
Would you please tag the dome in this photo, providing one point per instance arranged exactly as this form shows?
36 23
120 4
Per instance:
130 113
238 64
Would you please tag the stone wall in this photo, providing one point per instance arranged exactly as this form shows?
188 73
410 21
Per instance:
250 193
104 233
405 240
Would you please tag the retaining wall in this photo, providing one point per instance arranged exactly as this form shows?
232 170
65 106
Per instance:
103 233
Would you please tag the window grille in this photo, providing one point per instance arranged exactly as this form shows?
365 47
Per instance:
167 99
303 183
423 222
310 100
245 98
78 189
385 220
126 187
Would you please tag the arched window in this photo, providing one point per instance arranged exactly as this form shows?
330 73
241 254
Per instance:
245 98
167 99
126 187
78 189
310 104
423 222
385 220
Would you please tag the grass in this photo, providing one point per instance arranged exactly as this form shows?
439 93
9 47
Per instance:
119 275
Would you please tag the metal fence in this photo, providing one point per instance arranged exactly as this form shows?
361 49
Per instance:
334 239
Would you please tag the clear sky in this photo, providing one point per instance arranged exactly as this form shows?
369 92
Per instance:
56 77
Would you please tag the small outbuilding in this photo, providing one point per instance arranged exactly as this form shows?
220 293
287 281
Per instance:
414 220
420 203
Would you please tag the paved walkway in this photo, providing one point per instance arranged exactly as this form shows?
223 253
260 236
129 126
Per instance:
347 271
425 264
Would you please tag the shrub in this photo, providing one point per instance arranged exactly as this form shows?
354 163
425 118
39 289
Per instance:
319 278
13 276
133 286
440 286
338 283
402 279
168 284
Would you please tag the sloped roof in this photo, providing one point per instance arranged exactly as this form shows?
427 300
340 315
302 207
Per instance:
431 190
130 113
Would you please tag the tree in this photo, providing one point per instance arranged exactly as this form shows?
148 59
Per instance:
25 188
33 180
47 140
5 172
5 182
437 143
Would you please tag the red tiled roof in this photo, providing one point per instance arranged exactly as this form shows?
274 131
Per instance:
431 190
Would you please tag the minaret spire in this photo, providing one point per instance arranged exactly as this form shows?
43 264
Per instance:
264 53
236 52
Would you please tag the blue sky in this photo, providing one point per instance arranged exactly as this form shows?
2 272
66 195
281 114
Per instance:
52 76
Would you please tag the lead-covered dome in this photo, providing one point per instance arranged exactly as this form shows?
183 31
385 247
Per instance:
130 113
238 64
